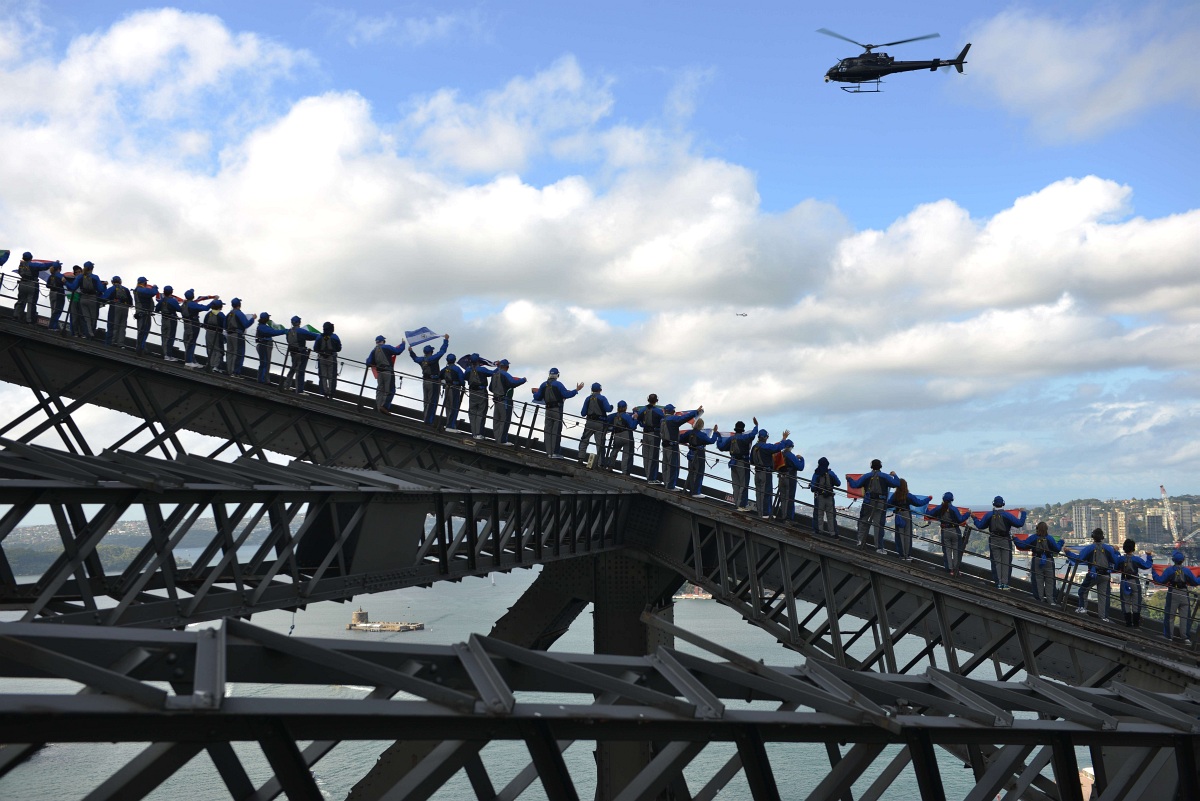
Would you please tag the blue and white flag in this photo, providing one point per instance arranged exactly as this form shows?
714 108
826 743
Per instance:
420 337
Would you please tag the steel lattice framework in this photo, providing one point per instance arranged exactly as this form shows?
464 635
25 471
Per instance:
855 609
322 533
679 701
845 606
371 504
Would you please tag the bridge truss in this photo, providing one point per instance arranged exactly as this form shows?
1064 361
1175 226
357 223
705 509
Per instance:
467 695
371 503
281 537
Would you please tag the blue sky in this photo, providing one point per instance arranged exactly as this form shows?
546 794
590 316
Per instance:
989 280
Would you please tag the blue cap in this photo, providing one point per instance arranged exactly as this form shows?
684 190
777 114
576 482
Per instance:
167 290
234 302
763 433
787 443
1177 556
553 371
670 407
381 338
295 320
216 304
27 255
621 404
596 387
474 357
142 280
947 497
450 358
429 348
87 265
502 363
264 315
116 279
997 501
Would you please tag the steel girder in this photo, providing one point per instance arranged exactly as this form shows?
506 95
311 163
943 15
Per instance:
282 537
248 419
484 690
963 625
866 612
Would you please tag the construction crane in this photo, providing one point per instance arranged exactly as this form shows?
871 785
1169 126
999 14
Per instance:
1178 541
1169 513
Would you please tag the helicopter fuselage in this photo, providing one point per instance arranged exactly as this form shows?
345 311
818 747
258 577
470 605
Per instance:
873 66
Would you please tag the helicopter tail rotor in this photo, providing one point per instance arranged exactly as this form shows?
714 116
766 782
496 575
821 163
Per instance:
958 62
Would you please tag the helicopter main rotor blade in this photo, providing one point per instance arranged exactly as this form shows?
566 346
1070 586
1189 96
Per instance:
905 41
828 32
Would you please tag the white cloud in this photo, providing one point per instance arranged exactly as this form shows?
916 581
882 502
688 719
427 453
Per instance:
1060 335
1077 78
506 128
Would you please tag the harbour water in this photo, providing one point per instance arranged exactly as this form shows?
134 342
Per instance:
451 612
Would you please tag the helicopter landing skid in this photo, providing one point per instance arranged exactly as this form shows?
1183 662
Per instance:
858 89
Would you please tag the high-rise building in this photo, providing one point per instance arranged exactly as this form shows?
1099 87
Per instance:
1183 516
1084 518
1156 525
1120 527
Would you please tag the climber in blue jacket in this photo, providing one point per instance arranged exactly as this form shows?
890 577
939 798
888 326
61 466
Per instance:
263 333
792 465
453 381
431 376
821 483
477 376
669 431
191 325
621 423
762 457
650 417
999 522
237 323
738 445
874 485
169 309
1131 584
595 411
145 295
552 393
382 357
501 386
696 440
1177 578
902 502
1101 560
1042 547
950 518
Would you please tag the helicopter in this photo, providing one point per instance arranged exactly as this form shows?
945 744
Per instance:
868 68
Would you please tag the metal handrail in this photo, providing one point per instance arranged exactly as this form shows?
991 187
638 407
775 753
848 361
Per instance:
524 425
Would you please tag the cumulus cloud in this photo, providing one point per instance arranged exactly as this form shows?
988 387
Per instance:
1039 336
505 128
1077 78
